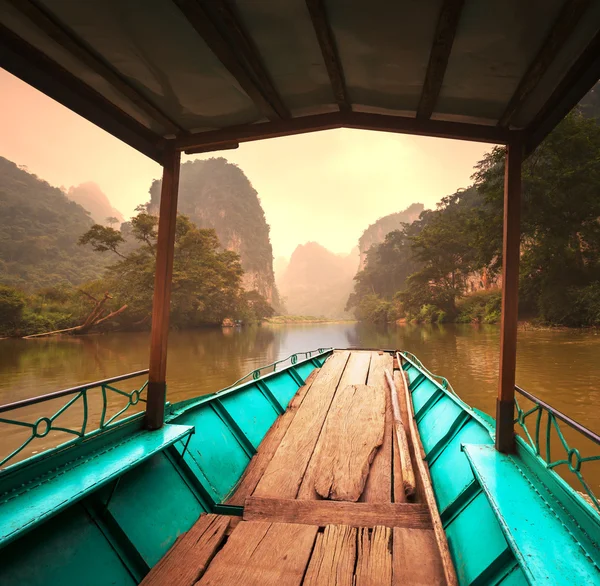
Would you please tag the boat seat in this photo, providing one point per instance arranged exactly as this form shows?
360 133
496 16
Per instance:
45 496
527 519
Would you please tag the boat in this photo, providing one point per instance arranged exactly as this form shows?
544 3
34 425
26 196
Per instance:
192 502
336 466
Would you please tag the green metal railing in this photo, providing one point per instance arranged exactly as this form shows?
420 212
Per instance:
442 380
548 429
272 367
78 399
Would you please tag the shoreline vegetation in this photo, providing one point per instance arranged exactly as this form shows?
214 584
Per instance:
445 267
305 319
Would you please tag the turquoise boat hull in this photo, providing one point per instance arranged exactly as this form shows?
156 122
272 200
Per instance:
106 510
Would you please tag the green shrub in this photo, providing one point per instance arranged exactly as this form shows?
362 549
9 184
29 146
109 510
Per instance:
12 305
480 307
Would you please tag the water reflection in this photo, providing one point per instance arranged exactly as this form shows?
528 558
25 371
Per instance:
559 366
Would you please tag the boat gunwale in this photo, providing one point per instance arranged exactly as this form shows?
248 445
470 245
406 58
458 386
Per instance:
181 407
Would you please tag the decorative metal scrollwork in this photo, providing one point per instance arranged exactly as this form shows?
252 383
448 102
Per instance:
548 428
78 397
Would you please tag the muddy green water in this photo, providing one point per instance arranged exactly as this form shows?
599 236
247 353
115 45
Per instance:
561 367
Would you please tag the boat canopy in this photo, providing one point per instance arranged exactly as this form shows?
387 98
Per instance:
213 73
173 76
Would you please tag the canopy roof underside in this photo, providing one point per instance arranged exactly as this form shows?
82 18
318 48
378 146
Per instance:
212 73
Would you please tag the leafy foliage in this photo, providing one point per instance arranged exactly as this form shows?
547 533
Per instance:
39 230
427 265
216 194
206 279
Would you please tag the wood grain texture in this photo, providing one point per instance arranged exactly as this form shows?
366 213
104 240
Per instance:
423 474
186 561
374 559
333 559
419 497
401 442
378 488
262 554
268 446
356 372
337 513
416 558
352 433
283 475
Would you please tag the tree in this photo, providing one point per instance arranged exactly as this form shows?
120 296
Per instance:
560 243
206 285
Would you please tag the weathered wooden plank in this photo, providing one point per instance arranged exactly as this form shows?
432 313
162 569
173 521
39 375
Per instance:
356 372
268 446
401 441
262 554
374 560
283 475
352 433
420 491
332 562
337 513
186 561
423 475
416 558
378 488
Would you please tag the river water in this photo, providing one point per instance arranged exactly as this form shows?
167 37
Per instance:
561 367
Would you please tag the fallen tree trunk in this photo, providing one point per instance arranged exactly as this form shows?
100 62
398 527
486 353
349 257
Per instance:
93 319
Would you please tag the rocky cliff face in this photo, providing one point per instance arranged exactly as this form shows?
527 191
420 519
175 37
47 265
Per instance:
90 197
317 282
217 194
376 233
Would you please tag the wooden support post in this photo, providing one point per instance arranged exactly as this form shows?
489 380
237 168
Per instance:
505 438
157 386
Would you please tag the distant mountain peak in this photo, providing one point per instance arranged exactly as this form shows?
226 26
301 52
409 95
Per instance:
91 198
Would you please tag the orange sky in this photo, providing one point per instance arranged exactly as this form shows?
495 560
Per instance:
327 186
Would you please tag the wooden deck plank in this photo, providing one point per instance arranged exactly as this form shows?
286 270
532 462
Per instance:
356 372
283 475
378 488
374 559
333 560
262 554
186 561
337 513
268 446
351 435
416 558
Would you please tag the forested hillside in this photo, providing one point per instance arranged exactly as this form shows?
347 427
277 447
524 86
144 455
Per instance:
217 194
39 230
375 233
422 271
317 282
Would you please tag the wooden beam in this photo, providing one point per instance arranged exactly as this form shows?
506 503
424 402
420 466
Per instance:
440 54
582 76
510 299
423 472
224 147
561 30
336 513
330 53
35 68
214 139
221 30
167 220
71 43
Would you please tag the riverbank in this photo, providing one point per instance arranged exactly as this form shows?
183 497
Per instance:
305 319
